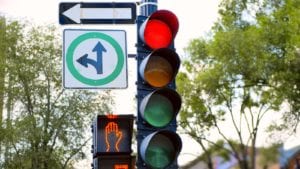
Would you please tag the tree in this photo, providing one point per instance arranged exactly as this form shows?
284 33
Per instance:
244 71
45 125
269 155
210 154
2 72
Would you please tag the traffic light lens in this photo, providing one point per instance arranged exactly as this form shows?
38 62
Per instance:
160 152
158 72
157 34
159 111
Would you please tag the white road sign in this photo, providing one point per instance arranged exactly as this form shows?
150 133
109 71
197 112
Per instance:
97 13
94 59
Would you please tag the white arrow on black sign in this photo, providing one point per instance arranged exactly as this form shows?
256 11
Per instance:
97 13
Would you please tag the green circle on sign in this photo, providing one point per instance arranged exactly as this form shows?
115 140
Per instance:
88 81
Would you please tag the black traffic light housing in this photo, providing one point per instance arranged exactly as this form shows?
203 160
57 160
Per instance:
114 162
112 139
158 102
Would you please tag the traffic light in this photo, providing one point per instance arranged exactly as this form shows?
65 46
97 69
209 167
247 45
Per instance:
159 29
114 162
158 102
112 135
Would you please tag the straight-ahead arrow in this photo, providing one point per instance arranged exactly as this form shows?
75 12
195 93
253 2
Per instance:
97 13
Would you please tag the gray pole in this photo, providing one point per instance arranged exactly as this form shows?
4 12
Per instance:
148 7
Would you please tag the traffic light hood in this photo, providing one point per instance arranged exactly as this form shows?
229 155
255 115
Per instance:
159 30
160 67
160 107
159 149
167 17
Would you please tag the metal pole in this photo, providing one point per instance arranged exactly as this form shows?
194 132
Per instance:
148 7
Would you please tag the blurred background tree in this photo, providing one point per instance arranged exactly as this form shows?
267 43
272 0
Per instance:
247 68
43 126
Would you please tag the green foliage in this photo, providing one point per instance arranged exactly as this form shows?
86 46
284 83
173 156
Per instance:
218 150
249 67
46 125
269 155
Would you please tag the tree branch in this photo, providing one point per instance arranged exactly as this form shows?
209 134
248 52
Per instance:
75 152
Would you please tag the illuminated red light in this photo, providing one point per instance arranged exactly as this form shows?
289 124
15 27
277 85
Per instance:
159 30
121 166
112 116
157 34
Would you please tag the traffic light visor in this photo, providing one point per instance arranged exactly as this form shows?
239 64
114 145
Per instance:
160 149
160 67
160 107
159 30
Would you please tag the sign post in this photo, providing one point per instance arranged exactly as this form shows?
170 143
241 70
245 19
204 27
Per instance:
98 59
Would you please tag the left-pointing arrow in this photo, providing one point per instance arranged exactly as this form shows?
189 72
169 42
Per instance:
99 13
98 64
73 13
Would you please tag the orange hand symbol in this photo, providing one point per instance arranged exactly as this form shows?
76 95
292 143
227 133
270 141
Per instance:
111 128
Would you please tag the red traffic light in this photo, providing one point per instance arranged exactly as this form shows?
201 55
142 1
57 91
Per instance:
158 102
159 30
160 67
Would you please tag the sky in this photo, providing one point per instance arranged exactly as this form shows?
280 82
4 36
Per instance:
196 17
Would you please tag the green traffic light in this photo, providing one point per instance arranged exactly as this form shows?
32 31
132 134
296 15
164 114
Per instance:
160 152
159 111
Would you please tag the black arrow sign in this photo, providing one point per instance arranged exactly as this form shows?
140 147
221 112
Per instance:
98 64
97 13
